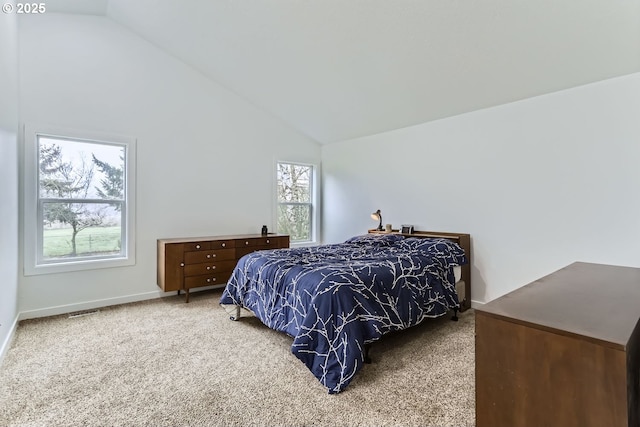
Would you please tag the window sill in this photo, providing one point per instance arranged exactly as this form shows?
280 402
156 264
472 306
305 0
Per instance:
303 244
67 267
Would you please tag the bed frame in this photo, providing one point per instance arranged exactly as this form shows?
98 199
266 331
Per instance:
462 239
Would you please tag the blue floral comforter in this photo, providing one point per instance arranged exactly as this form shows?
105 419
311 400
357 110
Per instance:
334 299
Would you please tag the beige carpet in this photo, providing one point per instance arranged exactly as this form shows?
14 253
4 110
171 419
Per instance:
166 363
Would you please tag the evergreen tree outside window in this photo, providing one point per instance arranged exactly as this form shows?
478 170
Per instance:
81 213
295 196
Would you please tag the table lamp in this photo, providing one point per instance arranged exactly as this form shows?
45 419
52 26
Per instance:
378 217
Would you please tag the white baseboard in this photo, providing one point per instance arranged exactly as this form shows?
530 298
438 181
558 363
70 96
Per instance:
476 304
88 305
8 340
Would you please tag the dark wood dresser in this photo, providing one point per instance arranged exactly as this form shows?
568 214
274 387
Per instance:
561 351
186 263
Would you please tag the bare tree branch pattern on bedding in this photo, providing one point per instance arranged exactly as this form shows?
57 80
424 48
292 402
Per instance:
334 299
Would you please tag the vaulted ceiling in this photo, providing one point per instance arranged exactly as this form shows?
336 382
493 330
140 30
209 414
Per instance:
339 69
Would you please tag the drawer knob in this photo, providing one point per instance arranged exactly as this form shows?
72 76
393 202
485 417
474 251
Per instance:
208 267
268 241
224 244
246 243
197 246
211 267
208 255
208 280
182 264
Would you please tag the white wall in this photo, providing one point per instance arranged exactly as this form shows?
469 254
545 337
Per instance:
205 156
8 178
538 183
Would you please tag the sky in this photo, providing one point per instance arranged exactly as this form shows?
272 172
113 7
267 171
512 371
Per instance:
73 151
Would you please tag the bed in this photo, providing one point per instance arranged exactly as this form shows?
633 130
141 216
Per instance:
337 299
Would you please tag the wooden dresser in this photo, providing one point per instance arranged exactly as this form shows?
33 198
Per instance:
561 351
186 263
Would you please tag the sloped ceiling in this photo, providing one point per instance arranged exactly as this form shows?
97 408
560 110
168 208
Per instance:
339 69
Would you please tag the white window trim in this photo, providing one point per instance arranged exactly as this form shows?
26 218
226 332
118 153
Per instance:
30 228
315 201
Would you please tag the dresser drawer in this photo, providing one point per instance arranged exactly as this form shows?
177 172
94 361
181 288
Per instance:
223 244
206 280
187 263
266 241
196 257
208 267
240 252
245 243
197 246
246 246
270 242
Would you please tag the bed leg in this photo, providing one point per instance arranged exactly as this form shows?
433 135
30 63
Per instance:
367 359
455 315
237 316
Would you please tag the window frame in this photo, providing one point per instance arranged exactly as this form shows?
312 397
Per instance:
33 203
313 202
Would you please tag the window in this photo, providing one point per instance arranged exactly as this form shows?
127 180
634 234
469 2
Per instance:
78 201
296 195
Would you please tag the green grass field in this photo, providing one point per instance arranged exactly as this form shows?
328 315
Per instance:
90 241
